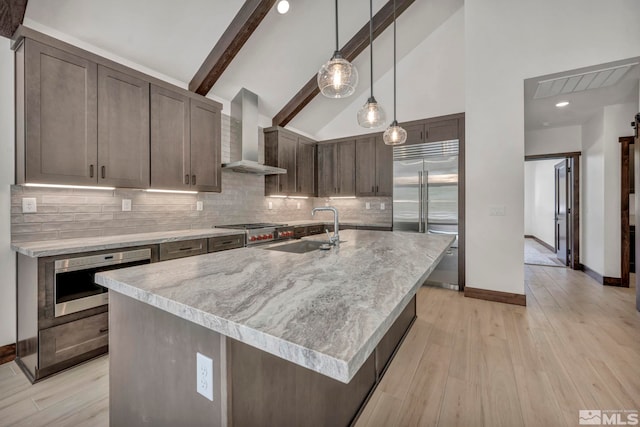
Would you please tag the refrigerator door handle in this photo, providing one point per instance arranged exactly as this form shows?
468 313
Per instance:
420 203
425 198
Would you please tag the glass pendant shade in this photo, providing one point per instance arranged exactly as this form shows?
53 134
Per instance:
338 77
394 135
371 115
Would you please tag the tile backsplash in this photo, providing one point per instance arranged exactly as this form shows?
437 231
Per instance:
72 213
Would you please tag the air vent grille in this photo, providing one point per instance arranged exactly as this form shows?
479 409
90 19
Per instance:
427 150
580 82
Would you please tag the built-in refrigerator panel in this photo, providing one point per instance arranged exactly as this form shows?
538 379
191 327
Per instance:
425 198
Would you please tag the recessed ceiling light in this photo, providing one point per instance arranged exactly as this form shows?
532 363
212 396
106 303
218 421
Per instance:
283 7
562 104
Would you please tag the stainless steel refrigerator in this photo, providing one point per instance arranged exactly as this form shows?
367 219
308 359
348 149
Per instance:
425 198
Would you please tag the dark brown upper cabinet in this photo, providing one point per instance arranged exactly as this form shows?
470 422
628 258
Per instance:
84 120
296 154
185 142
374 167
56 116
337 169
431 130
123 129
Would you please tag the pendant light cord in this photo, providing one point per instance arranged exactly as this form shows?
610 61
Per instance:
371 42
337 46
394 61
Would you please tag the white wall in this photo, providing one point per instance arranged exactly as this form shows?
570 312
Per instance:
592 244
563 139
539 199
507 42
7 256
430 82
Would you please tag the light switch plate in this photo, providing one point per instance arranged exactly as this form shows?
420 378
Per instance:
199 205
367 205
29 205
298 205
497 210
204 368
270 205
382 206
126 205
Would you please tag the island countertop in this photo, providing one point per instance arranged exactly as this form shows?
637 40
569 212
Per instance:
324 310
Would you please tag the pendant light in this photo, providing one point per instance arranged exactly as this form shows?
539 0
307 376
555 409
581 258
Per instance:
338 77
371 115
394 135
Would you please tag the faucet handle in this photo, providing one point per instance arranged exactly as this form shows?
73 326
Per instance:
328 235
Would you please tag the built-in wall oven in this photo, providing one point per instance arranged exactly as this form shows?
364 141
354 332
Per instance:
74 285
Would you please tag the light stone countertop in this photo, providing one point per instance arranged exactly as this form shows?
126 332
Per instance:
88 244
352 223
324 310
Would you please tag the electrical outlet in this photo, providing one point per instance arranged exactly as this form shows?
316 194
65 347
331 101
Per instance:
126 205
204 374
382 206
367 205
298 205
29 205
199 205
497 210
270 205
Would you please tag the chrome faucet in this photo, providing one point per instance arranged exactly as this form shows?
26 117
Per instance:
335 239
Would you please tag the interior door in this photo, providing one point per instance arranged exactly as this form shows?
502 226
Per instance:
561 212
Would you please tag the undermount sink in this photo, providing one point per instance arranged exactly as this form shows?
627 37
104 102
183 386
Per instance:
299 247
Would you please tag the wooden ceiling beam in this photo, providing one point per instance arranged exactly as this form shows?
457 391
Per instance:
235 36
11 16
350 51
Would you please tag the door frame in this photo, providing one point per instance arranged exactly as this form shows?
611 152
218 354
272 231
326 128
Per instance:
625 227
574 172
564 163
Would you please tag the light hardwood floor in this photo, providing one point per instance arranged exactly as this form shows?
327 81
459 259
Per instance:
465 362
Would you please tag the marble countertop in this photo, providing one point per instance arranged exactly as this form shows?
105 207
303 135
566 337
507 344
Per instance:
324 310
87 244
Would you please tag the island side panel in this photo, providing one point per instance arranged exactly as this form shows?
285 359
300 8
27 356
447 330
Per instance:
152 368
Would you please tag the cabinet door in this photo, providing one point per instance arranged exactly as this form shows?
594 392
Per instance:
366 166
205 147
123 129
170 140
384 168
415 133
61 117
287 149
327 170
441 131
306 168
346 168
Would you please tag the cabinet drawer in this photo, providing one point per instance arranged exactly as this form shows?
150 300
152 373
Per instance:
185 248
299 232
72 339
316 229
223 243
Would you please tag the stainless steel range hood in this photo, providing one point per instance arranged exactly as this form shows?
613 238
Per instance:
244 109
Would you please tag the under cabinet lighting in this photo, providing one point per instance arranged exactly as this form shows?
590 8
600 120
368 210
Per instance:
282 196
298 197
81 187
277 196
171 191
342 197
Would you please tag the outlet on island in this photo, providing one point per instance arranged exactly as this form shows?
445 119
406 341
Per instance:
204 375
29 205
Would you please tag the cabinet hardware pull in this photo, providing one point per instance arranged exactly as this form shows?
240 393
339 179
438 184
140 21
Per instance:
377 189
103 330
186 179
193 180
227 242
90 171
186 249
104 172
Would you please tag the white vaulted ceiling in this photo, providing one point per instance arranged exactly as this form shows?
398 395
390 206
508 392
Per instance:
174 37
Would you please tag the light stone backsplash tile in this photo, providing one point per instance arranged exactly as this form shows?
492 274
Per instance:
73 213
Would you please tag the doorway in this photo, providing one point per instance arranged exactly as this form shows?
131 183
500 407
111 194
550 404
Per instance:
552 207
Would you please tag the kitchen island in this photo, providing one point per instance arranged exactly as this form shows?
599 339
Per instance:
294 337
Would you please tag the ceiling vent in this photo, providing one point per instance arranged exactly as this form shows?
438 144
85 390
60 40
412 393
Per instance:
580 82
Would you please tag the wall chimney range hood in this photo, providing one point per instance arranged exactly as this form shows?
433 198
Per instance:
244 110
